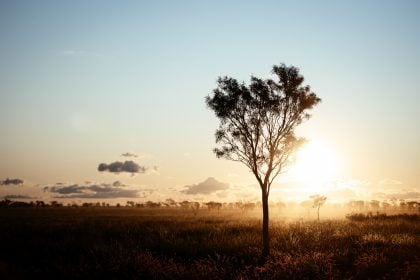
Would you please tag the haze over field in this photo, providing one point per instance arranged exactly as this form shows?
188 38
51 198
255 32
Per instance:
105 101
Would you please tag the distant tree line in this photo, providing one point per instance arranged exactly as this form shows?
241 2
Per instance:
389 205
315 201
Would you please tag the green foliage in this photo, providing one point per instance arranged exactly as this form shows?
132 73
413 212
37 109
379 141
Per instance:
122 243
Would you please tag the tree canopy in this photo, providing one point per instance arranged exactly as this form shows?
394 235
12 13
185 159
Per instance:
257 122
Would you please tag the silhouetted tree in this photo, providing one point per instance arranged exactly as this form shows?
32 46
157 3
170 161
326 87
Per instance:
413 205
184 204
170 202
318 201
248 206
130 203
195 206
257 125
214 206
40 203
151 204
403 205
5 202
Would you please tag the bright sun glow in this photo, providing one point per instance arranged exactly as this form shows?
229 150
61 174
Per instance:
315 166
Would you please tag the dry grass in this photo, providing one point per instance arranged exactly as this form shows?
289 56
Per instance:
175 244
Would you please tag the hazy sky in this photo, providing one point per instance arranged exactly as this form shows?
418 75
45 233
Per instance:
82 82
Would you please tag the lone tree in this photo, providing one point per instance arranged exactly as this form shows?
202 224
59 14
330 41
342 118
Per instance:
257 125
318 201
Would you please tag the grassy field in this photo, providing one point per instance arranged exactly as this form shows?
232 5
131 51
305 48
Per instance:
122 243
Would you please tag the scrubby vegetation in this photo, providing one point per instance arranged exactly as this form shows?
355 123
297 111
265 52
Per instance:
141 243
382 216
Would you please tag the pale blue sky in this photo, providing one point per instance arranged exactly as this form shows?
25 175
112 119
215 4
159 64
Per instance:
83 81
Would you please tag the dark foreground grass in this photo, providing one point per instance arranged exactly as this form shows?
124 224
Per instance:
174 244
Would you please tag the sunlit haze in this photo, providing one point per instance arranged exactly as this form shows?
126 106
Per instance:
316 165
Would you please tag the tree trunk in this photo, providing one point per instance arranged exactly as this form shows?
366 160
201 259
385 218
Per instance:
318 214
266 237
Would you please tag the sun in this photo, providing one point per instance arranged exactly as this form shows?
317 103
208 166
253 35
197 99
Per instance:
315 166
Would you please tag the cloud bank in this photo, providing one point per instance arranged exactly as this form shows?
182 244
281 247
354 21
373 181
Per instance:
402 195
8 181
103 191
128 166
210 185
